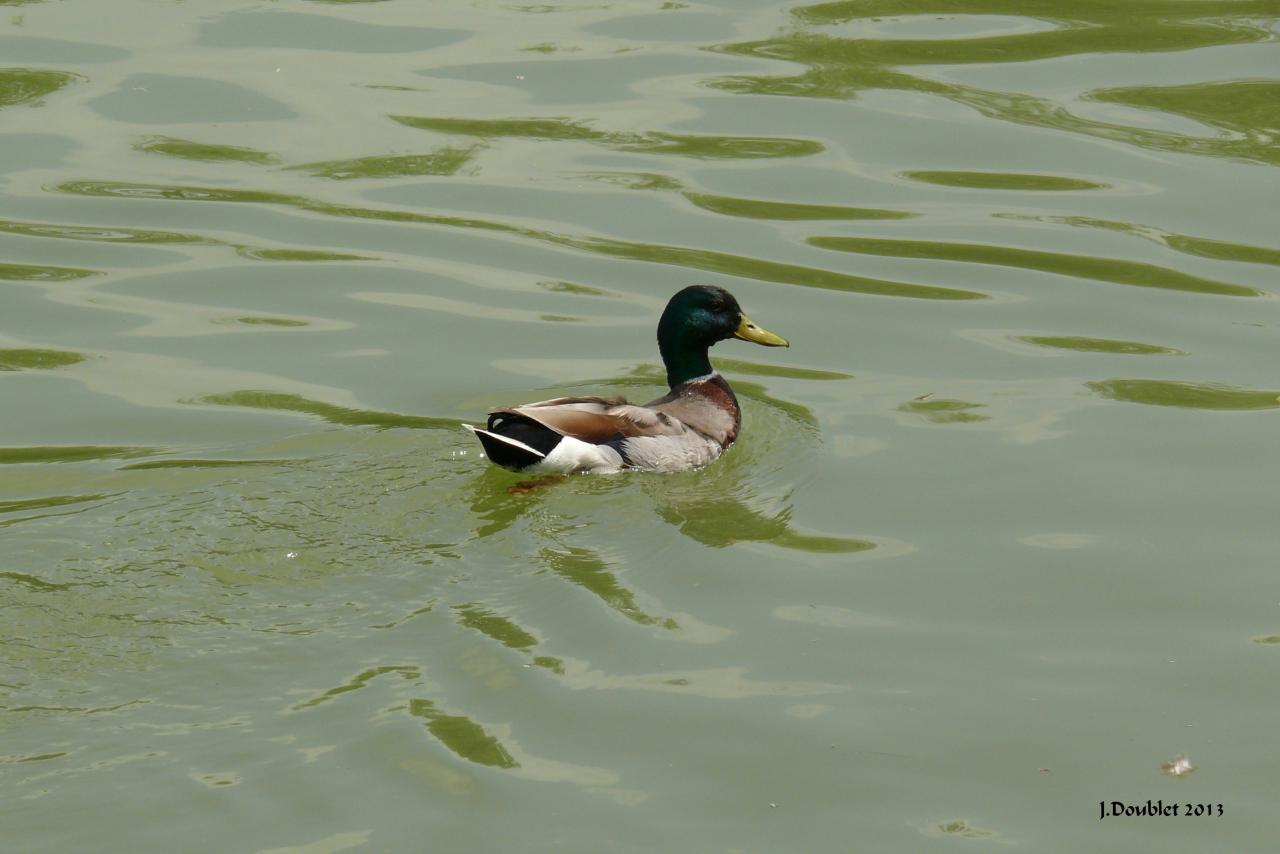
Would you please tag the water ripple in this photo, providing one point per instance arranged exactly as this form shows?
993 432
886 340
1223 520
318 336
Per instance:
702 146
698 259
1113 270
841 67
1187 395
29 85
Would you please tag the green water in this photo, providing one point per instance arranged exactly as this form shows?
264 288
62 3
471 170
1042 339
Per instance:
998 539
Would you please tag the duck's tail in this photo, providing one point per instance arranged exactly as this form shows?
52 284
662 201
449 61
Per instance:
507 452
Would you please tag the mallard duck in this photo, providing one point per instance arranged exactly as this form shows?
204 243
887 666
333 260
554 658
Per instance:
686 428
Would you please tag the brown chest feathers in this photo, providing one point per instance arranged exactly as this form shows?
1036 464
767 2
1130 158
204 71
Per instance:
706 405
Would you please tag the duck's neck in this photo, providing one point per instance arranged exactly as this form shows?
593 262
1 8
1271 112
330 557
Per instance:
684 361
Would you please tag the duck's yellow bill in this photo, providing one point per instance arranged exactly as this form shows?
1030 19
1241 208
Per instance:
748 331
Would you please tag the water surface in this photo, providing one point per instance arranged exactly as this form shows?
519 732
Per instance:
997 542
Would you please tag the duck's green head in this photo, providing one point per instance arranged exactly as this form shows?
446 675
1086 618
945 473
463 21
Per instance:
696 318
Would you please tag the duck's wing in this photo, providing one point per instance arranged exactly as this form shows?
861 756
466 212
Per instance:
593 419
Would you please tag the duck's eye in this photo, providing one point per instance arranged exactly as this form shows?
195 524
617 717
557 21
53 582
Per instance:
716 305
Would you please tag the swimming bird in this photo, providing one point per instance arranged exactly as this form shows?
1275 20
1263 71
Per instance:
686 428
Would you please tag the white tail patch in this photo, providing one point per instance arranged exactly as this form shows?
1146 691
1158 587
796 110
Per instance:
573 455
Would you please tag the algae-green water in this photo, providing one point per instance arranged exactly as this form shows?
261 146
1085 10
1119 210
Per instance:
998 541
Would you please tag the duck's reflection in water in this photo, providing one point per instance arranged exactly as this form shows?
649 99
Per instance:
712 506
719 506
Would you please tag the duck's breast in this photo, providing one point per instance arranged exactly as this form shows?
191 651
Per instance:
707 406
